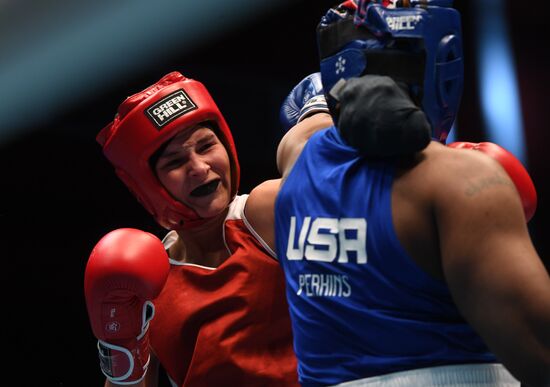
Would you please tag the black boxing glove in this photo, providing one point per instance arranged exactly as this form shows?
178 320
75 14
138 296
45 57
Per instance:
378 117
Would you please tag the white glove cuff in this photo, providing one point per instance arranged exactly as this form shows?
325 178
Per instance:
317 104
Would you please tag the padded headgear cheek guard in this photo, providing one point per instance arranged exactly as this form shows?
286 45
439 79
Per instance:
147 120
419 45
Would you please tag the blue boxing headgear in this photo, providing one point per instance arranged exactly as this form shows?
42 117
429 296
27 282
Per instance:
416 42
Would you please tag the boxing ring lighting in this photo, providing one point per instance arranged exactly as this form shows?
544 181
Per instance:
55 57
497 79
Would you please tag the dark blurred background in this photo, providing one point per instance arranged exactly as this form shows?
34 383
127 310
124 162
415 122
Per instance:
65 67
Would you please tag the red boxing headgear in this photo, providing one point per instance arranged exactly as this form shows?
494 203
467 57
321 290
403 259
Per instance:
147 120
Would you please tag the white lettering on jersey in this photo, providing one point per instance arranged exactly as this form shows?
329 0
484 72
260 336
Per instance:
322 246
358 244
291 252
328 239
324 285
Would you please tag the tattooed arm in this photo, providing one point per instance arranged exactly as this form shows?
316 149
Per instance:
489 262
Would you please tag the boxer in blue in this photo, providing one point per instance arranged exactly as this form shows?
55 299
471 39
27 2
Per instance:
409 272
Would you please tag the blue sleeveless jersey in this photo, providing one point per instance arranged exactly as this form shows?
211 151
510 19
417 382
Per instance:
360 306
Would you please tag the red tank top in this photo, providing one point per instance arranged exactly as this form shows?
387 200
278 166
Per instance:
229 325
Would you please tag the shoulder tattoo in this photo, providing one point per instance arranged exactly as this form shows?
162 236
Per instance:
487 182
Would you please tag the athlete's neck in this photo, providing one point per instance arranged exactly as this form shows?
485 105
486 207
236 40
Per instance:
202 245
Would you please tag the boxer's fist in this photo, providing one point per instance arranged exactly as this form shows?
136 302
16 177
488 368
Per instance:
126 270
513 167
305 99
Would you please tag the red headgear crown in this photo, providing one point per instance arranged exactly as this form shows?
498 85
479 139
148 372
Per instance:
147 120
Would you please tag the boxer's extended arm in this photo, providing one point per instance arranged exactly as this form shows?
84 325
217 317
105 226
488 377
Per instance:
490 264
303 112
294 140
260 205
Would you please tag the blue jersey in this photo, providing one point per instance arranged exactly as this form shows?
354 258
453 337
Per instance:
360 306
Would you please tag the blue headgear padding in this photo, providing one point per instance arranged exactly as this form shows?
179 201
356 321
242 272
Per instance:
419 45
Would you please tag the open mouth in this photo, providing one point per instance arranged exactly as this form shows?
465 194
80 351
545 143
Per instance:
205 189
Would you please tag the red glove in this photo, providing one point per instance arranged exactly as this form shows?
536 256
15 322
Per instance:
513 167
126 270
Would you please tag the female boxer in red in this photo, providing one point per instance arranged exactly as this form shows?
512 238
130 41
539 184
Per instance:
220 317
